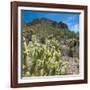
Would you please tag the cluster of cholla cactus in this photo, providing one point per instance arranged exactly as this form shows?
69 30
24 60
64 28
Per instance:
42 59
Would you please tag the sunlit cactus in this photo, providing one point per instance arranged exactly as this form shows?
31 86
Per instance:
43 59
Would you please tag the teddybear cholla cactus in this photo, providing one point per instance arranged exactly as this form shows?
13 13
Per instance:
43 59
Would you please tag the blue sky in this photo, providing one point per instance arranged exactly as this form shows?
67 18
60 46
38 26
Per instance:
72 20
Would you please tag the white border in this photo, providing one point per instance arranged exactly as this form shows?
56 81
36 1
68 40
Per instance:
52 78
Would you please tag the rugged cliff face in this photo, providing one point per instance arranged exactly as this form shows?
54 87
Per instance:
45 21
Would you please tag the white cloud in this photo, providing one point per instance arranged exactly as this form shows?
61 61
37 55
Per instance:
75 28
